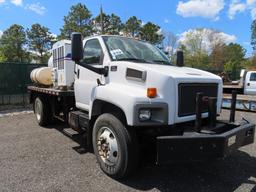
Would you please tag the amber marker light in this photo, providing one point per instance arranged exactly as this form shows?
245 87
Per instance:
151 92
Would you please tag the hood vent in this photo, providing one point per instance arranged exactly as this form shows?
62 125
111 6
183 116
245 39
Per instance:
134 74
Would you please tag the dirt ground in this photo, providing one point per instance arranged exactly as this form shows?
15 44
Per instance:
33 158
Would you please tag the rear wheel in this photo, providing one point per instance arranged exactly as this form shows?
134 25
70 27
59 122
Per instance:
42 111
115 146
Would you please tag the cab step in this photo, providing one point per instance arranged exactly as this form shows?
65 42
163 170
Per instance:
70 132
79 121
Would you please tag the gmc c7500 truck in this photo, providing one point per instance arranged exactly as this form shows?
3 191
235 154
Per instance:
125 95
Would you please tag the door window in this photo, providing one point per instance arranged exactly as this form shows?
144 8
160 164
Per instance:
92 52
253 77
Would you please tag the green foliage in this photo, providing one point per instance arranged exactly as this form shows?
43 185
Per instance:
234 54
101 28
77 20
200 60
150 32
253 62
253 34
115 25
132 26
247 63
218 56
2 58
40 41
111 24
12 44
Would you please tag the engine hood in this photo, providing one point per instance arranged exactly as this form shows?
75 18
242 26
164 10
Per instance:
181 72
174 72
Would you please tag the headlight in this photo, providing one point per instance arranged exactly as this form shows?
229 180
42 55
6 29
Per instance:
144 115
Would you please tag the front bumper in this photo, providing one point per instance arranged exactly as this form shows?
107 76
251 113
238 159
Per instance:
193 146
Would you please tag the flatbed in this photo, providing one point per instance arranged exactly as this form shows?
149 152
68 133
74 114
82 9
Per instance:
61 101
244 102
51 91
230 87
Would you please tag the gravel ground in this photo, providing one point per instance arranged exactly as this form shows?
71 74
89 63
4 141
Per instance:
44 159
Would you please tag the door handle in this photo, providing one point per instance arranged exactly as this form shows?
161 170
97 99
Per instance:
248 84
78 73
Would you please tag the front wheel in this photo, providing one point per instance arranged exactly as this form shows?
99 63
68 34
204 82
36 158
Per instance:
115 146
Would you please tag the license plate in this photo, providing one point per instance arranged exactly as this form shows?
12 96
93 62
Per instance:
232 140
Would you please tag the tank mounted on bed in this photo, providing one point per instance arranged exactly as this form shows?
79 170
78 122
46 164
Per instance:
60 70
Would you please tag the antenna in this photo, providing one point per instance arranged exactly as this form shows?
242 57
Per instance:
101 20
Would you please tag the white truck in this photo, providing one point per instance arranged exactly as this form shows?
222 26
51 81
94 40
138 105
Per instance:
246 85
126 96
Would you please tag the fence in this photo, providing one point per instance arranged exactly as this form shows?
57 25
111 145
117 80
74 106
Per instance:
14 79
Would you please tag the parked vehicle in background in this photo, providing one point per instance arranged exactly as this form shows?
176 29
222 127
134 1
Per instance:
246 85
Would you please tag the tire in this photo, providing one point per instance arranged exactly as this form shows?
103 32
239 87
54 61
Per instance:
115 146
42 111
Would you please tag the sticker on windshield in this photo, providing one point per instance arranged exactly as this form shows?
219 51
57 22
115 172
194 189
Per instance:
116 52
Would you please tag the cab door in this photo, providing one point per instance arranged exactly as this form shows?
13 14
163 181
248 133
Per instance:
250 83
86 80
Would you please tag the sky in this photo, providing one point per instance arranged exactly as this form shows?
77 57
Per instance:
232 17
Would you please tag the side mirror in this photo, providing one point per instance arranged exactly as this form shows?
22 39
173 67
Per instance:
76 47
180 59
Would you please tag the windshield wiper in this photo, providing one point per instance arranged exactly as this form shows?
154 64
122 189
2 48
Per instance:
162 61
133 59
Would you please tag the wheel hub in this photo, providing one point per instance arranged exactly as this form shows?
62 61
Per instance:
38 107
107 146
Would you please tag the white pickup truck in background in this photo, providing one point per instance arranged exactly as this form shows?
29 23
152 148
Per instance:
246 85
249 82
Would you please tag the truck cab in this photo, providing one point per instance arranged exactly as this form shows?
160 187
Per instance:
135 68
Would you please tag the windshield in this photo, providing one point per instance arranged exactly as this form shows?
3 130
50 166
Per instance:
126 49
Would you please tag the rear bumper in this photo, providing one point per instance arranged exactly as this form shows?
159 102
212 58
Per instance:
193 146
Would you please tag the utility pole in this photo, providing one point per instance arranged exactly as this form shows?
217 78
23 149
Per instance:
101 20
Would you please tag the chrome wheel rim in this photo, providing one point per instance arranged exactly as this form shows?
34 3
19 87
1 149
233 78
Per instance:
107 146
38 109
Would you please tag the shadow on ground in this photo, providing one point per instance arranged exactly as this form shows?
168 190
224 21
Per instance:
220 175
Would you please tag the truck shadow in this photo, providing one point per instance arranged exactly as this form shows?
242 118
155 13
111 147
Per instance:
222 175
64 129
218 175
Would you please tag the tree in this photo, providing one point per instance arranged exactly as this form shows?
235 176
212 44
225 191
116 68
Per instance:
12 44
170 43
196 53
235 54
151 33
101 23
40 41
132 27
218 56
248 63
115 25
253 62
77 20
253 34
201 43
2 56
107 24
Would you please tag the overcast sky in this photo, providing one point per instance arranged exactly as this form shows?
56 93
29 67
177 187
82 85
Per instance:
232 17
